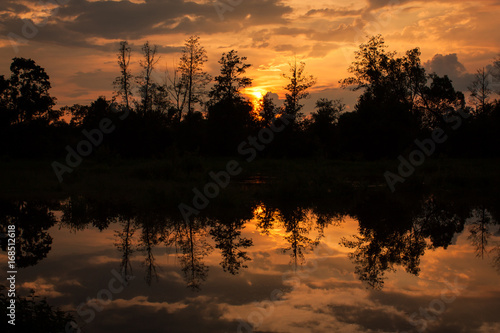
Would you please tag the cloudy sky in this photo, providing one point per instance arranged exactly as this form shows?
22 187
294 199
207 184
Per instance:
323 295
76 40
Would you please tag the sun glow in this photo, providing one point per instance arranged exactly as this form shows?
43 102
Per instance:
255 95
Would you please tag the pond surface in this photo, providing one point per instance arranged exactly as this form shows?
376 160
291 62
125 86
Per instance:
373 265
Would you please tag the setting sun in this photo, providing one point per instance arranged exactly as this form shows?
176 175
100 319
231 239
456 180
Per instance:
255 94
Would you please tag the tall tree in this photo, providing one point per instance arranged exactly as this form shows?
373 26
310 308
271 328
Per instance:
231 81
176 89
391 101
123 83
145 80
480 91
230 118
384 76
297 88
400 83
29 92
193 78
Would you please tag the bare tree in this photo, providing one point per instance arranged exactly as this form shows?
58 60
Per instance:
480 91
176 89
123 83
145 80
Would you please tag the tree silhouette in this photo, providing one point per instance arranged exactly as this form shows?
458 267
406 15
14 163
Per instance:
324 123
230 82
33 314
439 100
297 88
227 237
381 247
7 115
480 91
194 247
151 232
479 231
266 218
193 79
297 226
267 109
28 93
79 212
32 220
145 80
399 101
125 245
230 117
123 83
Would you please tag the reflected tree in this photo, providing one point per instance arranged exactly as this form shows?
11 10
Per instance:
227 237
33 314
438 222
298 225
298 222
266 217
194 247
151 235
380 248
80 212
124 244
32 220
479 232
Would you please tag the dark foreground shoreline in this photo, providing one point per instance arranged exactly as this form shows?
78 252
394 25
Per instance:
173 180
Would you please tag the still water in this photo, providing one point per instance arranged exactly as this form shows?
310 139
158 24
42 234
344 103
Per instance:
371 265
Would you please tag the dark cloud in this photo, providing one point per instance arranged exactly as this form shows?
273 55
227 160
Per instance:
449 65
334 12
95 80
287 31
349 32
372 319
291 48
376 4
11 6
321 50
79 20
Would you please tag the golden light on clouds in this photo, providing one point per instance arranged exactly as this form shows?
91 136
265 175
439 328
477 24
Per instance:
269 33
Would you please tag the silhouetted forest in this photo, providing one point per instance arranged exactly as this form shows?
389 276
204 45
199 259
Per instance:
191 112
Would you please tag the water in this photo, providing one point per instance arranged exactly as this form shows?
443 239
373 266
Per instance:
376 264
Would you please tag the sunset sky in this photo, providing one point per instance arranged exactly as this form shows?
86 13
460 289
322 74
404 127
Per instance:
76 40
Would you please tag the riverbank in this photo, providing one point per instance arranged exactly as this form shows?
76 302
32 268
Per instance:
174 179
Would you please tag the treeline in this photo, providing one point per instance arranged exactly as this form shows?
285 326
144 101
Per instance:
191 112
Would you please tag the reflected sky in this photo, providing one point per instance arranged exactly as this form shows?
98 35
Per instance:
280 270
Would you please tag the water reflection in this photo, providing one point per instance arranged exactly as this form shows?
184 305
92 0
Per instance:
380 234
32 220
401 239
390 235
